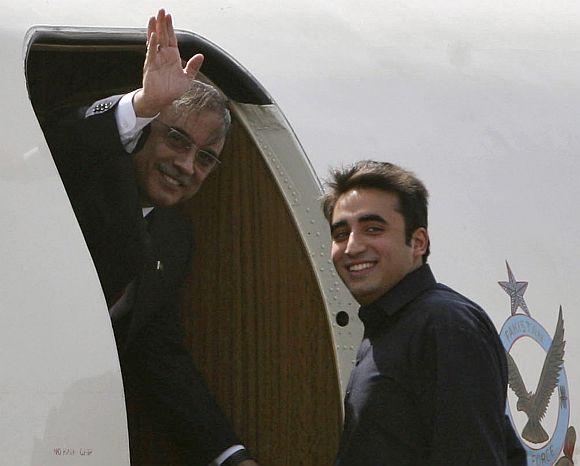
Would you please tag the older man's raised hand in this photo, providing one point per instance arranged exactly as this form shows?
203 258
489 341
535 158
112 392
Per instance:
164 79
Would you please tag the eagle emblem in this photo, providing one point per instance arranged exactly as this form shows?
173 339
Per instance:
535 404
541 447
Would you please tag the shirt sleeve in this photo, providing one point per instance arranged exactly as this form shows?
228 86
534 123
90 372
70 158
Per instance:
226 454
467 404
130 126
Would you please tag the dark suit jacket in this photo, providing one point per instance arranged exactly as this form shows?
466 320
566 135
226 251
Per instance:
99 179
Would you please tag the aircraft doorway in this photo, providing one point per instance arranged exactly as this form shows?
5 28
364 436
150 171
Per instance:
253 310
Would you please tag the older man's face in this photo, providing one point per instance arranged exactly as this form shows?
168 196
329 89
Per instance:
167 170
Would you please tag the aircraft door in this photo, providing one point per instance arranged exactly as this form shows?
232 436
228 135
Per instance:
255 317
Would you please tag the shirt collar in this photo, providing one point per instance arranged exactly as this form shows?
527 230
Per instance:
147 211
411 286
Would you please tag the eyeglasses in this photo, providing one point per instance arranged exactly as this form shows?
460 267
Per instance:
180 142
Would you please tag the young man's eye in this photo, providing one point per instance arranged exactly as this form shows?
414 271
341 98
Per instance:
340 236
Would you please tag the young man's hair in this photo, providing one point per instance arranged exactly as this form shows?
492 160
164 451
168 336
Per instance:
200 97
385 176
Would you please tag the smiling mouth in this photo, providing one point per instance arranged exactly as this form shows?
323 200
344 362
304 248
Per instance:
172 177
171 181
359 267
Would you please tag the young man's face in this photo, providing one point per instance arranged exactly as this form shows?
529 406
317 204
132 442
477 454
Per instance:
166 172
368 243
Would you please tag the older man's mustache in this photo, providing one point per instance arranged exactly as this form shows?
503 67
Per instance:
172 172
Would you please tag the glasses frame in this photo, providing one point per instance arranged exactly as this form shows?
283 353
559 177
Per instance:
188 146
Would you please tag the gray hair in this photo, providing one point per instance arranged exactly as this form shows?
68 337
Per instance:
203 97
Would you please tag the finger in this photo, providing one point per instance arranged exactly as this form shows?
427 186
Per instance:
193 65
162 28
150 28
171 38
151 49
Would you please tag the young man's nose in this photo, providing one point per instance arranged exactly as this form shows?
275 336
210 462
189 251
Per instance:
354 245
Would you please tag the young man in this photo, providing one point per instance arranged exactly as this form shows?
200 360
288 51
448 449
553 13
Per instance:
430 380
126 157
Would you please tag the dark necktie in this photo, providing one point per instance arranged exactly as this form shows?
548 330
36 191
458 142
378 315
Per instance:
123 300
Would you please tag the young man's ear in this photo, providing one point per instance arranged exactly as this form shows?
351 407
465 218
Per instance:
420 241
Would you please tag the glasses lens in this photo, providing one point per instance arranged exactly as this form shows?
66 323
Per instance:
180 142
206 159
177 140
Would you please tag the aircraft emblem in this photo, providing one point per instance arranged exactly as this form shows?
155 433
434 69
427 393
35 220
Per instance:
535 404
542 447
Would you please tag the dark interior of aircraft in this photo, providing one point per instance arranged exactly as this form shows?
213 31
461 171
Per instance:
252 308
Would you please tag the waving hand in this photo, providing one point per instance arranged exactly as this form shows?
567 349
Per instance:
164 79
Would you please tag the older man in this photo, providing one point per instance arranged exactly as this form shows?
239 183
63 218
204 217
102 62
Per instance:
134 156
430 380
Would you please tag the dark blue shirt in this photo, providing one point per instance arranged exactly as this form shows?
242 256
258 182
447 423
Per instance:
429 385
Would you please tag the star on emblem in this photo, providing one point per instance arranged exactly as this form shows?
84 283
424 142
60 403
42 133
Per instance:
516 291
